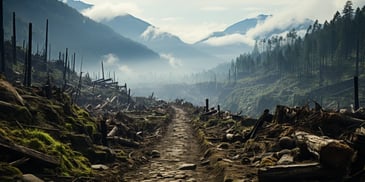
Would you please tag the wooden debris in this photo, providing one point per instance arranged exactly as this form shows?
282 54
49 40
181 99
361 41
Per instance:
302 172
331 153
125 142
39 157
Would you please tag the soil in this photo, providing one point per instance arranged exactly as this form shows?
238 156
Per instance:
180 146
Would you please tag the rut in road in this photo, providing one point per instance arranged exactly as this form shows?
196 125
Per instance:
179 146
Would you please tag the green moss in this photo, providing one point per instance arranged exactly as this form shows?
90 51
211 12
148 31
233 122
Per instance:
72 163
36 144
9 172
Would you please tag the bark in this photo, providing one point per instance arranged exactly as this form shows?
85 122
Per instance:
331 153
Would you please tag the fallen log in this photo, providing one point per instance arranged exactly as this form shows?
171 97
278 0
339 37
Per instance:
124 142
34 155
301 172
331 153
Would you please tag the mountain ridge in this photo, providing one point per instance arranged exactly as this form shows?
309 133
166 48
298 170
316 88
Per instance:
69 29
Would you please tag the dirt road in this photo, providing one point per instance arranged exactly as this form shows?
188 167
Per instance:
178 149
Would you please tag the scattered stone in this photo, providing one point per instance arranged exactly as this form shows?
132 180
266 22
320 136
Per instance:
205 162
223 145
99 167
31 178
245 161
191 180
155 154
180 176
187 167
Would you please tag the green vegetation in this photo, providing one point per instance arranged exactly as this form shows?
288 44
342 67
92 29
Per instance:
72 162
292 70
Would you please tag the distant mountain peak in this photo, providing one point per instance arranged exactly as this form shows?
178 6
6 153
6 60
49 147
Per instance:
78 4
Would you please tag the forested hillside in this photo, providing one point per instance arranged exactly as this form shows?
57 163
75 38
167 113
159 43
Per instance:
327 53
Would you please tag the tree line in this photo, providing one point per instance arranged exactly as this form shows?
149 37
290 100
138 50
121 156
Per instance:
327 52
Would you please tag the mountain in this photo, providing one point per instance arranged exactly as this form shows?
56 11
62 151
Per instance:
183 55
78 5
234 40
240 27
69 29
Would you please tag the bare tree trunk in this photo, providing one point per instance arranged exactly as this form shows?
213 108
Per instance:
2 57
14 39
29 60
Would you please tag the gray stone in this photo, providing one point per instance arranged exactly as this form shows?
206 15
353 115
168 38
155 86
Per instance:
31 178
155 154
205 162
187 167
99 167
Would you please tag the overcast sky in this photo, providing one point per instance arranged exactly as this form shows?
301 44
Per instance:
193 20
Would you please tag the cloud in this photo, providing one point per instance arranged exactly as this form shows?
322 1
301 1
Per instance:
214 8
175 63
152 33
229 40
110 59
125 70
109 10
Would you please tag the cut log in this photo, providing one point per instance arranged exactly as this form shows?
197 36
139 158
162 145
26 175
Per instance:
125 142
301 172
113 132
34 155
330 152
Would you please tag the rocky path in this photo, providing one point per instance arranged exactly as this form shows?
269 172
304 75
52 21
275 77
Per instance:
179 157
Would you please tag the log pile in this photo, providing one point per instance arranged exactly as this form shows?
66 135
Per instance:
297 143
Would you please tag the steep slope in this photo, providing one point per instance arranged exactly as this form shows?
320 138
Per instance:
69 29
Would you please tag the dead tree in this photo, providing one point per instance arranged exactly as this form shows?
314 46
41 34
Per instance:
28 69
13 38
46 47
2 57
64 70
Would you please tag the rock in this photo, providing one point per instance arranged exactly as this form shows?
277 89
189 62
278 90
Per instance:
287 143
205 162
187 167
223 145
245 161
155 154
31 178
191 180
286 159
99 167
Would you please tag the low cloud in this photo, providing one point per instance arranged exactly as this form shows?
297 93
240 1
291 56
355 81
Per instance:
173 62
110 59
125 69
108 10
152 33
229 40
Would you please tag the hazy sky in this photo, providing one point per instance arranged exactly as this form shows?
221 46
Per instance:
193 20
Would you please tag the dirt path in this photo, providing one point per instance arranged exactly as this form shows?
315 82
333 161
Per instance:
179 147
